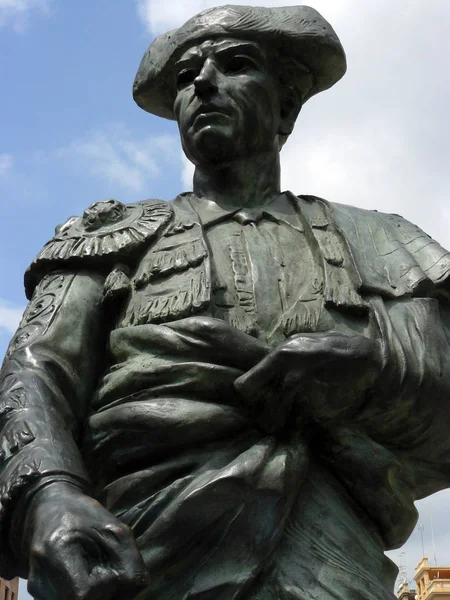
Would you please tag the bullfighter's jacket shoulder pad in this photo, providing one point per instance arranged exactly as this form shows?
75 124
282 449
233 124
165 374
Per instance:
107 233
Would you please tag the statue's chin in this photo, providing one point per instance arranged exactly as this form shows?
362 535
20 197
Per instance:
212 145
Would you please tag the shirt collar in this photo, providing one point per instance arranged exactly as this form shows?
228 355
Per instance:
282 209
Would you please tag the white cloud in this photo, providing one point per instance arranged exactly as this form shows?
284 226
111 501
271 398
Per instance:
16 13
433 541
113 154
10 316
159 16
366 164
187 172
6 164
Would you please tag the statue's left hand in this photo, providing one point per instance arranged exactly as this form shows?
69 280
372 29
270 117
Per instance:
279 379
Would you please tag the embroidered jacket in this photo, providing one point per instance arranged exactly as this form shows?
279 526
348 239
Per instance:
158 251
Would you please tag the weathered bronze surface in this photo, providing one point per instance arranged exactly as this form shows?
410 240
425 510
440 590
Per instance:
237 394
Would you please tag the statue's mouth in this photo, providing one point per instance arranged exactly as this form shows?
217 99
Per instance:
209 110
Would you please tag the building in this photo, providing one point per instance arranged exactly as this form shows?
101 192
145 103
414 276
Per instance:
9 590
405 593
433 583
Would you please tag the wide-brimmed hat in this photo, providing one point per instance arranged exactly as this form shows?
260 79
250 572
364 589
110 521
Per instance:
299 32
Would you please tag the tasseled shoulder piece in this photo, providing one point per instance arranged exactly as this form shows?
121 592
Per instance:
108 232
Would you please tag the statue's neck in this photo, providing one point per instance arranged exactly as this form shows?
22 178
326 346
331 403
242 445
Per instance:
243 183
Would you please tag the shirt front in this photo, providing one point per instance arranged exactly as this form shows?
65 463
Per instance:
266 280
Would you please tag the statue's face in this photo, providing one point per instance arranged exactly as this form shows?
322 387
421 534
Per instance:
227 103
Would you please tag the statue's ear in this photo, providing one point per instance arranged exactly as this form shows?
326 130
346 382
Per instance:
290 107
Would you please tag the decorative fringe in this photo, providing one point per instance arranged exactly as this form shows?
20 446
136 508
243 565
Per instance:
243 321
189 298
341 279
173 279
73 242
243 316
339 290
303 317
142 221
171 259
331 250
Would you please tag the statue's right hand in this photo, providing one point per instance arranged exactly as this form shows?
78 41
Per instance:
79 550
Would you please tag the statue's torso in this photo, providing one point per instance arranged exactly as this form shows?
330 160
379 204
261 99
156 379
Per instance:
168 434
263 274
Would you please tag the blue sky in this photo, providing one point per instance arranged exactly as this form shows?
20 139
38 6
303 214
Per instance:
71 133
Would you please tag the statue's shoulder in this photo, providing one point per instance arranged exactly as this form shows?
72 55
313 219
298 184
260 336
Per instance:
108 232
405 230
348 214
391 253
386 230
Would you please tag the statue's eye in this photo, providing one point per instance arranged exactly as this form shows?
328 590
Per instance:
186 77
239 64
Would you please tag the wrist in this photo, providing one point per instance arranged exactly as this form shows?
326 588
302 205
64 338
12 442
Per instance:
51 483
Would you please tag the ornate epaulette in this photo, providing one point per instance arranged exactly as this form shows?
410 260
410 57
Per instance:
107 233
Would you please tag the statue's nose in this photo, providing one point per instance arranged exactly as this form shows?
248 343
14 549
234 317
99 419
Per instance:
206 80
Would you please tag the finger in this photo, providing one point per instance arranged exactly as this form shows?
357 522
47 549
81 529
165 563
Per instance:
120 548
230 345
102 583
63 570
76 581
327 347
48 583
269 370
107 582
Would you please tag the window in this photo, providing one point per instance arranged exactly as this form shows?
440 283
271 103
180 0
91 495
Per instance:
6 592
13 595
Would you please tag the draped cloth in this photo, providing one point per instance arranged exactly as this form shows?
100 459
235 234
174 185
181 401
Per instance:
222 510
210 504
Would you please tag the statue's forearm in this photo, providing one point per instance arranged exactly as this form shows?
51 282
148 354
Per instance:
45 385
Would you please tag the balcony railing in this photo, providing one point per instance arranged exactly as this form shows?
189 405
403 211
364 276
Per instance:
437 587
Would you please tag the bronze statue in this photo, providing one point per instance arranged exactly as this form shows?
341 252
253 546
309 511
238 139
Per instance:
238 394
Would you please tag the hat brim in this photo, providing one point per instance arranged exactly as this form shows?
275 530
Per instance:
299 32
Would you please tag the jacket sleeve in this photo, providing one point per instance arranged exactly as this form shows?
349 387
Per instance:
396 448
46 381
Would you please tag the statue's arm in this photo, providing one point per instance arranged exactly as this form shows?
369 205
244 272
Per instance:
52 530
45 385
414 388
